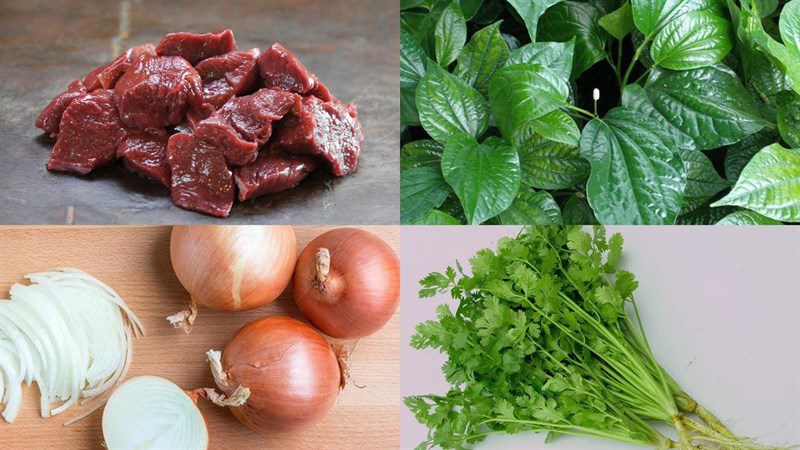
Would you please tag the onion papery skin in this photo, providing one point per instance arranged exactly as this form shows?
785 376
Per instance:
361 291
233 268
153 412
291 370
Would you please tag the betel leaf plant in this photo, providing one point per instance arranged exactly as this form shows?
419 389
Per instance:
600 111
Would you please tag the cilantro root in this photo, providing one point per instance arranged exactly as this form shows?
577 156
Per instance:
547 338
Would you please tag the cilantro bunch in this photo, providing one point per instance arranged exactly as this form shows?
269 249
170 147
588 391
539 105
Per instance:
543 341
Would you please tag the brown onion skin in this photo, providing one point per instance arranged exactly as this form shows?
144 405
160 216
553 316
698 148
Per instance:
192 247
362 290
291 370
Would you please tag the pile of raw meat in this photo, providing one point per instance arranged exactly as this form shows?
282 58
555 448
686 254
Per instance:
204 119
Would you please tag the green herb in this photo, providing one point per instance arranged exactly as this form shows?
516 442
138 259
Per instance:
644 110
547 338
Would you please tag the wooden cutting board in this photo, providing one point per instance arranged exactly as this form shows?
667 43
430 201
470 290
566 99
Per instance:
135 262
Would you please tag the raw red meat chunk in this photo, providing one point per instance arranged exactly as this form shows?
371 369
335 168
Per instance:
272 172
197 47
204 119
49 119
145 153
224 76
244 123
201 181
90 130
106 76
330 130
157 91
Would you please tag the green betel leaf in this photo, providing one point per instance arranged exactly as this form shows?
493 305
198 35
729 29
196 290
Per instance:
485 177
421 190
556 56
569 20
531 11
557 126
789 117
578 212
740 153
650 16
704 215
436 217
636 177
470 7
425 152
409 116
524 92
790 26
450 34
485 53
709 105
697 39
702 179
412 61
532 208
747 218
448 105
769 184
551 165
785 57
618 23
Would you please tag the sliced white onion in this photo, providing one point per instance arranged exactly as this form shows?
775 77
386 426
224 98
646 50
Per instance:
153 412
70 333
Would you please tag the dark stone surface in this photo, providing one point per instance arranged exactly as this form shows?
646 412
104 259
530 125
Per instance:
351 45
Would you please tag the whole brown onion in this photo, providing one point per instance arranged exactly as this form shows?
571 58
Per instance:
231 268
291 372
347 283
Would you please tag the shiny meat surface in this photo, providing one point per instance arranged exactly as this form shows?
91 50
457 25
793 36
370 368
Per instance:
157 91
197 47
244 123
280 69
201 180
50 117
330 130
145 153
272 172
224 76
106 76
90 130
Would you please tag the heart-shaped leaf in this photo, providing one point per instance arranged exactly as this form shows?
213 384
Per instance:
637 177
524 92
450 34
769 184
485 53
531 11
572 19
702 179
709 105
697 39
532 208
412 61
448 105
485 177
421 190
556 56
425 152
618 23
551 165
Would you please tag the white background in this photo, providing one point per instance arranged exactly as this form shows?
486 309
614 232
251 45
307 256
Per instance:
720 305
